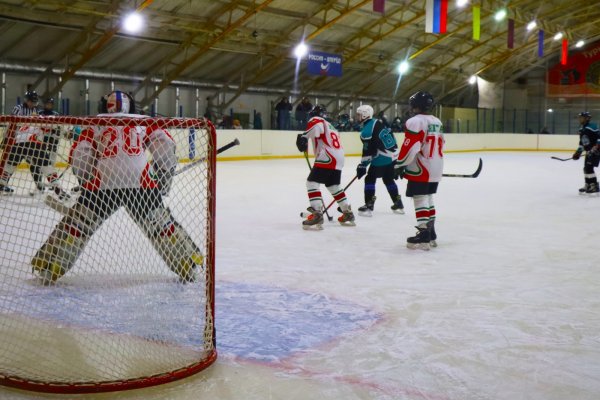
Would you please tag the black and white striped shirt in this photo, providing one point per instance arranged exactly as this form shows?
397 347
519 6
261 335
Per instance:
22 109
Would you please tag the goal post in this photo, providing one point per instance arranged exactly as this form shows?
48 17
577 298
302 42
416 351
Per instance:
121 316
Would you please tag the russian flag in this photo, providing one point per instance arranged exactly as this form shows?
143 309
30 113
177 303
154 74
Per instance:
436 15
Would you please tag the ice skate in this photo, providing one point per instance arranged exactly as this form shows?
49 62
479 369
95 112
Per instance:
367 209
432 234
347 218
420 240
314 221
398 207
6 190
593 189
584 189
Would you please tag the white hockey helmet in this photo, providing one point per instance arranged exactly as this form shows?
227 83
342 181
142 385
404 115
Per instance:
364 112
117 102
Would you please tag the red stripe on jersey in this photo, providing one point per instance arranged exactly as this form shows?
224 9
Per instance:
146 181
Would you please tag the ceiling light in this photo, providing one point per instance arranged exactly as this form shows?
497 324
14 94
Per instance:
403 67
461 3
558 36
500 15
531 25
579 43
550 110
133 22
301 50
472 79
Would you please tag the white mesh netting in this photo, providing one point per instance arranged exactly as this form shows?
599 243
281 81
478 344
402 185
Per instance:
106 251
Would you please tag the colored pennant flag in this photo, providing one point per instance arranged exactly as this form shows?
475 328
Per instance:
540 43
436 16
476 22
510 39
379 6
565 52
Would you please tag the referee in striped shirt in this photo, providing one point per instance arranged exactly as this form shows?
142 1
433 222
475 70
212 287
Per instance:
32 151
29 107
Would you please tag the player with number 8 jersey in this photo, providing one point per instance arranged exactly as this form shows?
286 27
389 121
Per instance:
327 168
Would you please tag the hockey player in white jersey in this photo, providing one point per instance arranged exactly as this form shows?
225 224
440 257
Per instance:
35 144
327 168
112 164
421 162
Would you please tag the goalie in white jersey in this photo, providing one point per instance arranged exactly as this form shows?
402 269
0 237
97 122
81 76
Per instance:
421 162
112 165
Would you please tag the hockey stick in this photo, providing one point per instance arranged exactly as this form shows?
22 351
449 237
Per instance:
62 208
562 159
473 175
191 165
304 214
329 217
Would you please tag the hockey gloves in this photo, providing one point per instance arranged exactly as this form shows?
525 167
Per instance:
576 155
301 143
361 170
399 171
164 179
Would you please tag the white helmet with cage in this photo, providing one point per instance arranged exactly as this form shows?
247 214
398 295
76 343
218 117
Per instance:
364 112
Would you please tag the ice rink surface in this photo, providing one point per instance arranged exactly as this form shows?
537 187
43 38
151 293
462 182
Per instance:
507 307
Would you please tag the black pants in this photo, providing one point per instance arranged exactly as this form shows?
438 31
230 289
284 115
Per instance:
34 153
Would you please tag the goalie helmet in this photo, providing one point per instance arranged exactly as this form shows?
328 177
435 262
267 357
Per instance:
117 102
364 112
318 111
31 95
421 100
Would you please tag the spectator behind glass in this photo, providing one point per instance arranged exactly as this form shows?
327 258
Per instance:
283 108
301 114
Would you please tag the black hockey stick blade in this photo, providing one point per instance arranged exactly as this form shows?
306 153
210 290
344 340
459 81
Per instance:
229 145
561 159
473 175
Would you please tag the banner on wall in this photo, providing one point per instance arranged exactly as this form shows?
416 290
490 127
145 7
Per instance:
324 64
580 76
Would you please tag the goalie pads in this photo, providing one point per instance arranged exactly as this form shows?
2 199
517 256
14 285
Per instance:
172 243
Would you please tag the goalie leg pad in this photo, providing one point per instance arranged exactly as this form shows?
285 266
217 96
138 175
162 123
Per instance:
172 243
64 245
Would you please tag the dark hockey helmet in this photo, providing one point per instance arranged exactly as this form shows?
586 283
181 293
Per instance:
49 100
421 100
585 114
31 95
318 111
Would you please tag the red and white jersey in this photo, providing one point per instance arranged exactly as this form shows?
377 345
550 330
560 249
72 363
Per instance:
422 151
329 153
29 133
114 157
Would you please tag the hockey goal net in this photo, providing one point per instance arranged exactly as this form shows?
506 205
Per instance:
129 300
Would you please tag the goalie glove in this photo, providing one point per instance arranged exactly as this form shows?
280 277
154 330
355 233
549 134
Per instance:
301 143
165 179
